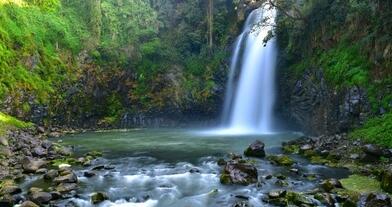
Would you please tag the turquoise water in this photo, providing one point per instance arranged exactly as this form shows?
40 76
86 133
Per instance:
152 168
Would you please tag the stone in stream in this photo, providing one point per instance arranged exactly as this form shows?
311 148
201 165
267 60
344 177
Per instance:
330 184
7 201
283 160
256 149
51 174
28 204
89 174
99 197
40 197
239 172
11 190
242 204
386 180
68 178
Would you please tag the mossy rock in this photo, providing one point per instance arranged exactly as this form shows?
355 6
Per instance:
282 160
294 198
292 149
99 197
386 180
361 184
225 179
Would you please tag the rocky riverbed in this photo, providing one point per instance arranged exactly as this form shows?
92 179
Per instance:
39 172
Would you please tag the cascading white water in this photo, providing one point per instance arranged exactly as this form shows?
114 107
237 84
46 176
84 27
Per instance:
249 105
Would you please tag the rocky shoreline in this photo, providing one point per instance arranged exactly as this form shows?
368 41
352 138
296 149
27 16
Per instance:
27 153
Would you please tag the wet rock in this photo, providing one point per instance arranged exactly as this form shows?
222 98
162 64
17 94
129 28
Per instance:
268 177
326 199
41 129
221 162
330 184
282 183
298 199
89 174
194 170
31 165
377 200
354 156
40 197
99 167
277 194
239 172
3 141
386 180
374 150
294 170
99 197
242 204
281 177
283 160
55 195
305 147
68 178
51 174
7 201
256 149
28 204
66 187
109 167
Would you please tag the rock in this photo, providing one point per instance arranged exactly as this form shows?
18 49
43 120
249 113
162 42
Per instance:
55 195
239 172
282 183
331 184
242 204
99 197
221 162
41 129
194 170
99 167
281 160
294 170
373 150
28 204
41 171
39 151
305 147
386 180
3 141
298 199
256 149
5 151
326 199
109 167
31 165
51 174
377 200
47 144
7 201
11 190
277 194
40 197
66 187
68 178
64 167
281 177
354 156
89 174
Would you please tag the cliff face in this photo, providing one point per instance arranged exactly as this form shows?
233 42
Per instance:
334 68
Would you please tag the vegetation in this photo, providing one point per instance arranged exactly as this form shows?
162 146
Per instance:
377 130
9 122
361 184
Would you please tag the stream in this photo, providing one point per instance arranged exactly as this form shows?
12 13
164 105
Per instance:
177 167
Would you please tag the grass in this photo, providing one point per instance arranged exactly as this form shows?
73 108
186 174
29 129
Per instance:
377 130
8 122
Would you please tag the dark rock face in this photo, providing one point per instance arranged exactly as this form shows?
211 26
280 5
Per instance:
239 172
386 180
318 109
256 149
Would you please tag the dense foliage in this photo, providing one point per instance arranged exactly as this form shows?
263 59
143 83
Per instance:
98 58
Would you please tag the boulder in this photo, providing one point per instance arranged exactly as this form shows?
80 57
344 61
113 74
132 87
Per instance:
239 172
89 174
299 199
277 194
7 201
31 165
28 204
373 150
68 178
40 197
256 149
11 190
39 151
386 180
98 197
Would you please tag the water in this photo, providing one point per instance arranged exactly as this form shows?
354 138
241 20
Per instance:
249 104
152 169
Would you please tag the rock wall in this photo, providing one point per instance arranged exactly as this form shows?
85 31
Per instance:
314 107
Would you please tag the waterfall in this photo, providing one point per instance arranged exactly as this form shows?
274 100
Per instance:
249 99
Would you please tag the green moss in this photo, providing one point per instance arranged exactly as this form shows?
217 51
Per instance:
377 130
361 184
9 122
281 160
293 149
69 161
225 179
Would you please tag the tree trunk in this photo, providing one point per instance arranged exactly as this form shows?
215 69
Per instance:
210 22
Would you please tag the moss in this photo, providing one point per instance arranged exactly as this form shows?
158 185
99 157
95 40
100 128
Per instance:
225 179
9 122
293 149
361 184
377 130
281 160
69 160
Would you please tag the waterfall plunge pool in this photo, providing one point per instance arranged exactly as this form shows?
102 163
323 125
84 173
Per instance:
152 168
